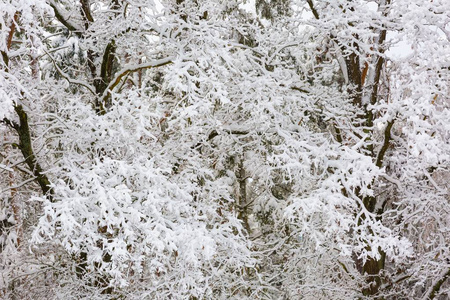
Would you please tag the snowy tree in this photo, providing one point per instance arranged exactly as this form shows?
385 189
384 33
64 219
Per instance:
219 149
128 207
354 185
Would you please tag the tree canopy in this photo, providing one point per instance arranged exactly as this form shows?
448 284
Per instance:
212 149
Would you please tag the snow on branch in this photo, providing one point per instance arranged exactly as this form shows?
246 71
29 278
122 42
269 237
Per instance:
133 68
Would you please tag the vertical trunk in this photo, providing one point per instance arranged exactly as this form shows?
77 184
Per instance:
372 269
354 76
242 203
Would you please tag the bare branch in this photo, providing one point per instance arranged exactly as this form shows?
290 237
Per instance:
434 289
67 77
18 185
62 17
133 68
25 146
313 9
86 8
